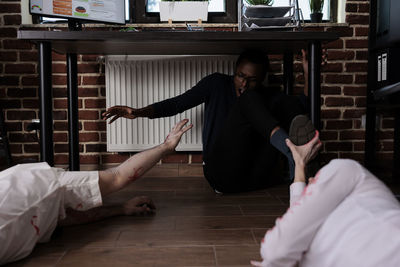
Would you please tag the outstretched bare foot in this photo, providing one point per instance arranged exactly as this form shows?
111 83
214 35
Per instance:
139 206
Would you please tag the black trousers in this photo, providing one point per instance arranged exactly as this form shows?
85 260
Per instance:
242 158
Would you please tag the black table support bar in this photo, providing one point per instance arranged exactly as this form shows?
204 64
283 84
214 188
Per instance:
46 103
396 148
73 120
314 84
288 72
370 135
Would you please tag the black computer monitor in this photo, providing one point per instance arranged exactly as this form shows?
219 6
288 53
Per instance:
106 11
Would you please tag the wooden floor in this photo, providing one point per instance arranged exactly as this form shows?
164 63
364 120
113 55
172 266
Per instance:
192 227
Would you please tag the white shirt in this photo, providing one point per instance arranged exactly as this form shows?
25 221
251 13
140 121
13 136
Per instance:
29 208
33 197
345 218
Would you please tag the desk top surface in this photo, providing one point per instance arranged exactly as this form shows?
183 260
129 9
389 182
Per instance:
175 42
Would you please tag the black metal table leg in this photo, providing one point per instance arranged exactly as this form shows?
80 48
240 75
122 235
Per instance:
370 126
288 73
73 121
314 82
4 139
46 103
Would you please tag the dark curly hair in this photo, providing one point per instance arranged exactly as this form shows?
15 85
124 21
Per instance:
257 57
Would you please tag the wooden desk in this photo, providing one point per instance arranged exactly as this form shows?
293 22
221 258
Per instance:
161 43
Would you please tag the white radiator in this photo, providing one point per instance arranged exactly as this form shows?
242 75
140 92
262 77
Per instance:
138 81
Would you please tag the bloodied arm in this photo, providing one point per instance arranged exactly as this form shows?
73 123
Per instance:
114 179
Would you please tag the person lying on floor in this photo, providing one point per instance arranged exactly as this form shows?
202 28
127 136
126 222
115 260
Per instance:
35 198
345 217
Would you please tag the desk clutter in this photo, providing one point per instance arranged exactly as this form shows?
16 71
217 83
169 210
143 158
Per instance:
265 17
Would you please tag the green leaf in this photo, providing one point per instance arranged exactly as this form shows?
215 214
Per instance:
316 6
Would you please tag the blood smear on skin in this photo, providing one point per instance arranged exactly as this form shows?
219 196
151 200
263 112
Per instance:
136 174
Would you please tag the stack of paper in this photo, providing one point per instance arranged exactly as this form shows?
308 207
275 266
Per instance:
262 17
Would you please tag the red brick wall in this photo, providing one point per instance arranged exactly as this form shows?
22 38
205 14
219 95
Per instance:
343 94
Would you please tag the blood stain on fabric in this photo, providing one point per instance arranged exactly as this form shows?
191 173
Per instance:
297 203
35 226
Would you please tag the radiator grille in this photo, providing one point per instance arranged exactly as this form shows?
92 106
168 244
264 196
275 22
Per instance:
138 81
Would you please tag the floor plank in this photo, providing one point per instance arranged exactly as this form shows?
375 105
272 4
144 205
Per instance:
140 256
237 255
224 222
185 238
275 210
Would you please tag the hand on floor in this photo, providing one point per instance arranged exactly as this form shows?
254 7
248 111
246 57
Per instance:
139 206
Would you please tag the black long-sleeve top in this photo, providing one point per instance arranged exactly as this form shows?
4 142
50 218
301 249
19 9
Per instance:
217 91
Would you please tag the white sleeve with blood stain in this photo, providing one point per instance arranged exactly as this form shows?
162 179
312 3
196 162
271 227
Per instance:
286 243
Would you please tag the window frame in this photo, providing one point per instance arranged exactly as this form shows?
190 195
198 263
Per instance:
141 16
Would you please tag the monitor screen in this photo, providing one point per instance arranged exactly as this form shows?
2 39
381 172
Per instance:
109 11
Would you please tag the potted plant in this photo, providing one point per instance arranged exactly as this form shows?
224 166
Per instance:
183 10
316 7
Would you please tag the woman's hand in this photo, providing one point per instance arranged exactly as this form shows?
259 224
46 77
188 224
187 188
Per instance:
139 206
303 154
116 112
173 138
